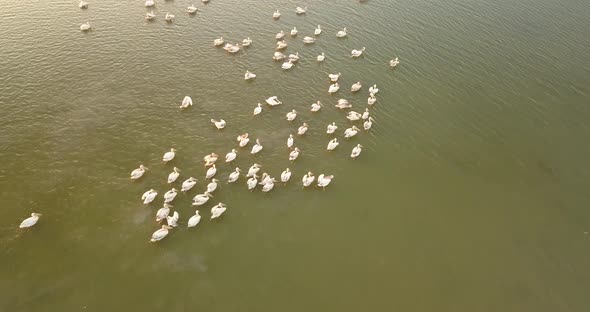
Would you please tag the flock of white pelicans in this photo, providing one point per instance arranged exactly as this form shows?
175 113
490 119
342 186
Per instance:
265 180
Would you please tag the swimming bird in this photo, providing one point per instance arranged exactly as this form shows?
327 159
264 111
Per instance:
294 31
160 234
194 220
280 35
243 139
273 101
331 128
218 210
281 45
210 159
201 199
150 15
291 115
219 41
170 195
191 9
276 14
353 116
300 10
343 103
211 172
149 196
294 154
246 42
372 99
301 130
233 48
286 175
85 26
350 132
334 88
252 182
265 179
30 221
219 124
169 17
317 31
83 4
186 102
356 151
233 177
373 90
257 109
168 156
211 187
290 141
138 173
321 57
278 56
229 157
355 87
249 75
308 40
173 219
393 63
324 180
188 184
205 1
341 33
334 77
316 106
163 212
332 144
256 148
308 179
253 170
367 125
365 115
294 57
268 186
287 65
149 3
173 175
357 53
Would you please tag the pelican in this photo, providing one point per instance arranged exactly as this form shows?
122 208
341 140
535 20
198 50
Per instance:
294 154
191 9
163 212
200 199
301 130
170 195
268 186
150 15
343 103
365 115
169 17
186 102
211 187
334 77
83 4
308 40
373 90
294 57
273 101
331 128
249 75
294 31
138 173
341 33
276 14
334 88
321 57
332 144
300 10
252 182
278 56
173 219
253 170
218 210
194 220
291 115
281 45
350 132
317 31
256 148
30 221
149 3
316 106
233 48
205 1
287 65
217 42
280 35
286 175
211 172
188 184
356 151
160 234
372 99
266 178
324 180
257 109
353 116
173 175
357 53
246 42
367 125
234 176
243 139
219 124
149 196
229 157
308 179
210 159
85 26
355 87
290 141
393 63
168 156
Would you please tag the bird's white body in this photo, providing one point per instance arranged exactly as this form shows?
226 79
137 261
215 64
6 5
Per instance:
281 45
356 87
287 65
149 196
253 170
219 124
393 63
83 5
356 151
150 15
332 144
170 195
372 99
218 42
334 77
212 186
294 31
173 219
291 115
188 184
168 156
149 3
211 172
290 141
343 103
365 115
169 17
246 42
357 53
279 56
269 185
173 175
160 234
249 75
256 148
331 128
231 156
280 35
138 173
243 140
257 109
252 182
324 180
210 159
321 57
218 210
294 57
233 177
163 213
276 14
308 40
317 31
316 106
186 102
201 199
334 88
286 175
194 220
308 179
294 154
368 124
373 90
353 116
300 10
30 221
301 130
350 132
273 101
85 26
342 33
191 9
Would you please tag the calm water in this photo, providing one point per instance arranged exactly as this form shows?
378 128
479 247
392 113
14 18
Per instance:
471 193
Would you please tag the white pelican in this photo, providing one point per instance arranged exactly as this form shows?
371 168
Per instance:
308 179
372 99
243 139
357 53
353 116
211 172
173 219
278 56
173 175
168 156
294 31
246 42
290 141
273 101
169 17
219 124
269 185
334 77
321 57
281 45
83 4
350 132
317 31
186 102
138 173
149 196
218 210
367 125
365 115
291 115
341 33
229 157
149 3
191 9
332 144
287 65
200 199
234 48
324 180
211 187
150 15
301 130
331 128
355 87
30 221
294 154
280 35
194 220
393 63
316 106
286 175
170 195
217 42
85 26
188 184
334 88
160 234
210 159
276 14
343 103
252 182
373 90
256 148
308 40
253 170
257 109
234 176
300 10
294 57
249 75
266 178
163 212
356 151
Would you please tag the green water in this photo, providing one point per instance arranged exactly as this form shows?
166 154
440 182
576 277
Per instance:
471 193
